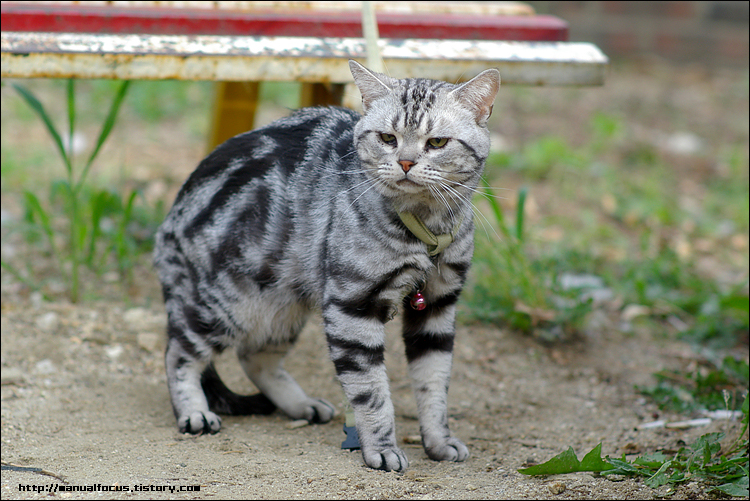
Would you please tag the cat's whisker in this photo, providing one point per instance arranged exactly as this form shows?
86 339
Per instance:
324 203
441 197
345 172
374 184
482 218
482 192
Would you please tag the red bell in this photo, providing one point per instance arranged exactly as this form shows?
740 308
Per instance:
418 302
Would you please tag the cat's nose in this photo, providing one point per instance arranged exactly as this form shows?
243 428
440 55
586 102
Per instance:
406 165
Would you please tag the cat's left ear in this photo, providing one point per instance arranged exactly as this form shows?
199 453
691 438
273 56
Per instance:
371 85
479 93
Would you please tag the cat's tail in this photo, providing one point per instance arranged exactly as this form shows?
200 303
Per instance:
224 401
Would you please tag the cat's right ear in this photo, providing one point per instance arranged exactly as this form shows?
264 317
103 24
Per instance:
371 85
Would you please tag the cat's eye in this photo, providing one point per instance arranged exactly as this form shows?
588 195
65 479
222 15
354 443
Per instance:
388 138
437 142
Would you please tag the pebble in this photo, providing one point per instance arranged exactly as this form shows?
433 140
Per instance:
148 341
572 281
114 351
299 423
45 366
557 488
48 322
134 316
632 311
11 374
111 277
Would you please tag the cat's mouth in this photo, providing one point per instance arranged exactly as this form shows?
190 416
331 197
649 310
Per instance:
409 185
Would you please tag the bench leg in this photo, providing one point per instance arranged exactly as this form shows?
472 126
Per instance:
234 110
318 94
235 105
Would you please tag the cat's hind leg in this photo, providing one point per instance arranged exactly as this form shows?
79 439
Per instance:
184 367
265 369
262 353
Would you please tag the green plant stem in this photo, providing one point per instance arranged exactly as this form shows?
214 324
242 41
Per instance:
519 213
71 115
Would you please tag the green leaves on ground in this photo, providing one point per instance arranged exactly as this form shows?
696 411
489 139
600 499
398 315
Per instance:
705 387
567 462
720 467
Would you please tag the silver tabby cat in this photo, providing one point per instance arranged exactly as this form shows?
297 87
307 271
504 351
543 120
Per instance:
309 213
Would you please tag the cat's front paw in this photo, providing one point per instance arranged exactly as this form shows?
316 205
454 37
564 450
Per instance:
198 423
388 459
451 449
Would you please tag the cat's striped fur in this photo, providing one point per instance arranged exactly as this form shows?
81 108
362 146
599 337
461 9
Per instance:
301 215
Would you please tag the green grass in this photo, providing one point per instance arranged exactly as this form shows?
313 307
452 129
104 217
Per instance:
630 226
74 207
719 465
707 387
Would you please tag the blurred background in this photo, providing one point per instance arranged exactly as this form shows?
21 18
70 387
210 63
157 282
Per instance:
705 33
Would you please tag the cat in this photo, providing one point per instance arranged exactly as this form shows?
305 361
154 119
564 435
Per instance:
350 215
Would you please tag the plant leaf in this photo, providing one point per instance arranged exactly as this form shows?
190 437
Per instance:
737 488
71 114
567 462
653 461
35 207
624 467
109 123
32 101
660 477
593 461
519 212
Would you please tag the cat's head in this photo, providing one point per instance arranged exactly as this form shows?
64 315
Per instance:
424 142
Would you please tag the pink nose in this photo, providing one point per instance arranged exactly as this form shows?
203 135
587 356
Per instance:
406 165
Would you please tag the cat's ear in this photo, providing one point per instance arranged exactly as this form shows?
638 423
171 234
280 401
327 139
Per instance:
371 85
479 93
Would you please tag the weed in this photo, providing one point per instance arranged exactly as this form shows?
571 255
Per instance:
84 210
705 387
508 288
720 467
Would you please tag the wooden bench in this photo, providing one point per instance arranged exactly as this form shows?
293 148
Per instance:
241 44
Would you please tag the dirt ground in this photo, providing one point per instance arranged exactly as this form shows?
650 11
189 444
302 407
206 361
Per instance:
84 399
85 403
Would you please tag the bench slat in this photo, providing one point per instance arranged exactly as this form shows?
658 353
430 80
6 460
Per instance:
218 58
81 18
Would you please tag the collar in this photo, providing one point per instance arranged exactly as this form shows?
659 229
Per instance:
435 243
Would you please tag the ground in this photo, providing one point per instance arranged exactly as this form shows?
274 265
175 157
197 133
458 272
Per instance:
84 398
85 402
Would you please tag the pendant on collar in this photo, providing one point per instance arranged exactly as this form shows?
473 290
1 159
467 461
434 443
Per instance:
435 243
418 302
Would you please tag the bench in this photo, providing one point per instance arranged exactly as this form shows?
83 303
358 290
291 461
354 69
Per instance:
241 44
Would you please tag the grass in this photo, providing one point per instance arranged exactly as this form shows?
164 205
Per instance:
79 223
720 465
648 262
83 213
631 230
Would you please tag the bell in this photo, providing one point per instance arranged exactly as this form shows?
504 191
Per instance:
418 302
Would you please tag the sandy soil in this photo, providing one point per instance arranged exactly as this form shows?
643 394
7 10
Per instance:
84 399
